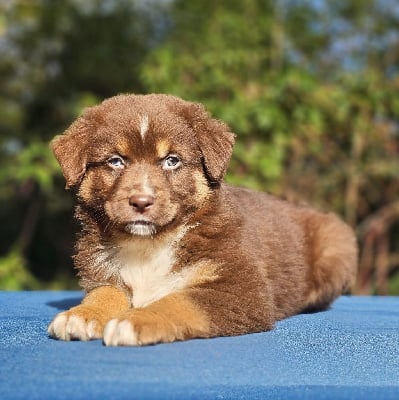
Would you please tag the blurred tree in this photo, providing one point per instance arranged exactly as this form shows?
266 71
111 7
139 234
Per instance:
310 87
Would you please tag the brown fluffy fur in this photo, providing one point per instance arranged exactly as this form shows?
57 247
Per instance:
196 257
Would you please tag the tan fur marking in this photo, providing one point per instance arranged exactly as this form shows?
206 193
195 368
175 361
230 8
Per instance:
205 271
87 320
201 186
108 298
314 296
175 317
162 148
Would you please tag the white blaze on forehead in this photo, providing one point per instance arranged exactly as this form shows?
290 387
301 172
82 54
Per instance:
143 125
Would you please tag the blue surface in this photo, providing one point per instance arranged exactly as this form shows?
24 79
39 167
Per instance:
348 352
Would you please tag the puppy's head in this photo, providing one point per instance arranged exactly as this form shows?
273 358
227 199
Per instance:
144 163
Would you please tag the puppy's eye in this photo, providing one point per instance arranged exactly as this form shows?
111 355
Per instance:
116 162
171 162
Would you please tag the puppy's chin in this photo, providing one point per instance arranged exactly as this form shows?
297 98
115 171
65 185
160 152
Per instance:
141 228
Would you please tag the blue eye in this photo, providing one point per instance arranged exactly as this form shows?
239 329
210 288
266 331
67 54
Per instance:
116 162
171 162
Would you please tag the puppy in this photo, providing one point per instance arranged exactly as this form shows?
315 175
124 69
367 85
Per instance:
167 251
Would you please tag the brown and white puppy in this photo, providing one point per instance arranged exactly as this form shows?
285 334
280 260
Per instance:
167 251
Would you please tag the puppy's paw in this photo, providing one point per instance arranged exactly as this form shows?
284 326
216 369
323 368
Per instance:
120 333
79 323
140 328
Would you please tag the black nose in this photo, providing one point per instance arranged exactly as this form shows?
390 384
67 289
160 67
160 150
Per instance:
141 202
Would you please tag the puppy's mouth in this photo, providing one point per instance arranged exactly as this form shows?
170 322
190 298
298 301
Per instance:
141 228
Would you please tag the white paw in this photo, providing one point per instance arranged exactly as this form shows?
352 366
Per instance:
120 333
73 327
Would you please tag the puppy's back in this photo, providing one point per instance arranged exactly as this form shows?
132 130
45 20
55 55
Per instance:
309 257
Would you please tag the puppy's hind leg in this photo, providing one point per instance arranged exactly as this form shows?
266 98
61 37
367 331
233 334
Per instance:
333 260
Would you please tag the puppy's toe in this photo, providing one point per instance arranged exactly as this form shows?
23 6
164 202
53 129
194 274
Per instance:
93 330
76 328
57 328
120 333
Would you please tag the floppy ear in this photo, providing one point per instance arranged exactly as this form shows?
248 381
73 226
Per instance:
69 150
214 139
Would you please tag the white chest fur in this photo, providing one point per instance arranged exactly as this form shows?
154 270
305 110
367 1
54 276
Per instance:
146 267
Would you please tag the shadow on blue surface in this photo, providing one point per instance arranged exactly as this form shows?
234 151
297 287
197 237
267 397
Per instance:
65 304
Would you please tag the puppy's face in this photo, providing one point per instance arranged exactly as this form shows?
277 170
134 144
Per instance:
143 164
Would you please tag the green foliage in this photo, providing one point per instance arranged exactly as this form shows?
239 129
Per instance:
31 163
14 274
310 89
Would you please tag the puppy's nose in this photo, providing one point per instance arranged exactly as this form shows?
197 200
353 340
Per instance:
141 202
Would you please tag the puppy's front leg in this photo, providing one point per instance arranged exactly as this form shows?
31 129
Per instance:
87 320
174 317
189 314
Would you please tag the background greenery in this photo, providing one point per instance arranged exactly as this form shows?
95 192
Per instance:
310 87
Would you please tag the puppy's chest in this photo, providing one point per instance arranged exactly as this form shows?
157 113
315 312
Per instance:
147 271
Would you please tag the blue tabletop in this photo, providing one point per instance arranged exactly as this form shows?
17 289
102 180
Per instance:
348 352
